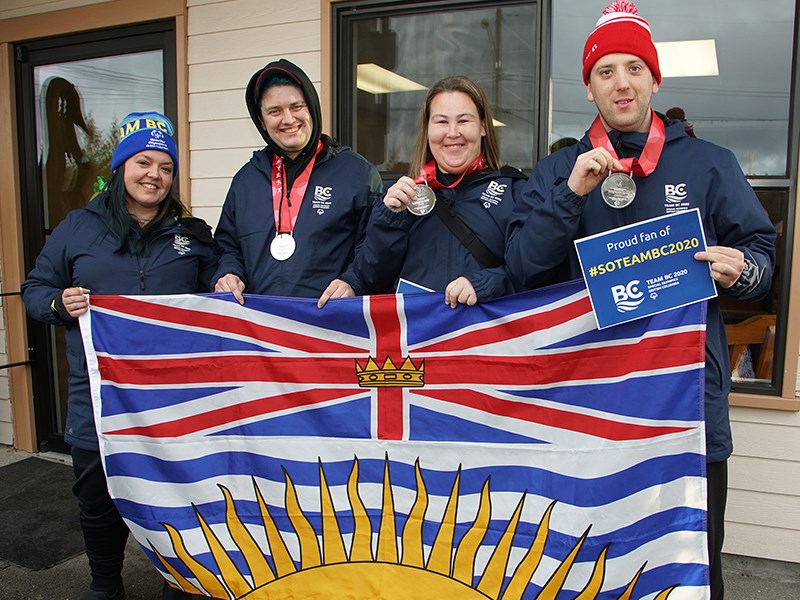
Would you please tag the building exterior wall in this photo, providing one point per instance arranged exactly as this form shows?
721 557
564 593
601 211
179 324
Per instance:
227 43
229 40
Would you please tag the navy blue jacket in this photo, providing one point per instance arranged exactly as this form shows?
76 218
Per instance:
82 252
691 173
424 251
330 227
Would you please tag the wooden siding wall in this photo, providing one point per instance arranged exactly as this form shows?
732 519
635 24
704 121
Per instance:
229 39
228 42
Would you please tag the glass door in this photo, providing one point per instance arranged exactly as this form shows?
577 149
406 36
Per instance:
72 92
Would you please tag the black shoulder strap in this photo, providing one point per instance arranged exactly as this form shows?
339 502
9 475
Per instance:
477 248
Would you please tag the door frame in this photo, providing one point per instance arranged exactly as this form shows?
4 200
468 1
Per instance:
12 269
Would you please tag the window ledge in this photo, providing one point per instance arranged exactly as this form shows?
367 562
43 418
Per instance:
769 402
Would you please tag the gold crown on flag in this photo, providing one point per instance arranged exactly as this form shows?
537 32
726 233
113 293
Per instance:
408 375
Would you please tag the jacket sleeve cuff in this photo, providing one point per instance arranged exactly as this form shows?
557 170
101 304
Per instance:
59 310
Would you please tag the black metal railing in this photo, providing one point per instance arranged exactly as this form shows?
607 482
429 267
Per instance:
21 363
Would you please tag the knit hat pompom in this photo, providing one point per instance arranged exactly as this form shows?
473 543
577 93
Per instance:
620 29
144 131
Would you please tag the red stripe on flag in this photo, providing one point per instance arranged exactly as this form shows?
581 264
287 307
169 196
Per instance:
228 369
647 354
511 328
232 414
171 316
551 417
383 311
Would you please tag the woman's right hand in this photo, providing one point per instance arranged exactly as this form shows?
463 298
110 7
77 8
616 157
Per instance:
400 195
75 300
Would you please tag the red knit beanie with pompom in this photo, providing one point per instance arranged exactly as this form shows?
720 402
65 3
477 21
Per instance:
620 30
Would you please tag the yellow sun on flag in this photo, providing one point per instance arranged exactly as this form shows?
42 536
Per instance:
328 572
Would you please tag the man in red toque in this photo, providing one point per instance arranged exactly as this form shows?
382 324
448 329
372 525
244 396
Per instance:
653 168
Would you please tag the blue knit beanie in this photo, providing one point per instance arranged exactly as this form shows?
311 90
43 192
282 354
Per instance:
144 131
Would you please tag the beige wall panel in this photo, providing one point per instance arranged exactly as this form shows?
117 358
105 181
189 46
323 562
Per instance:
191 3
218 163
242 14
759 440
233 45
773 417
752 540
769 510
234 74
225 105
22 8
210 192
233 133
213 106
772 476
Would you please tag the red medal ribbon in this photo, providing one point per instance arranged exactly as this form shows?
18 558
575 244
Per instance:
428 174
285 220
647 161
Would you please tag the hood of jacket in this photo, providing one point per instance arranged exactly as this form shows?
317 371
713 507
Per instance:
253 100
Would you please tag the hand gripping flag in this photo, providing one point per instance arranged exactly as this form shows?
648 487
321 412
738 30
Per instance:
392 447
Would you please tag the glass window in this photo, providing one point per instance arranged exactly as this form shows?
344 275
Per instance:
78 106
739 99
397 53
744 106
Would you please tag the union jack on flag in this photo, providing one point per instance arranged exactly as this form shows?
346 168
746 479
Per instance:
509 449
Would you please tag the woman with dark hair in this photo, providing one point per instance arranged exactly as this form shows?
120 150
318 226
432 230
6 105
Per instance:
133 238
443 226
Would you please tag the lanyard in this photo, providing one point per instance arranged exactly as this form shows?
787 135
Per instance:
647 161
428 174
285 220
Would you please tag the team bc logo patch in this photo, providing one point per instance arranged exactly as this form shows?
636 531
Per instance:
493 194
181 244
627 297
322 198
676 198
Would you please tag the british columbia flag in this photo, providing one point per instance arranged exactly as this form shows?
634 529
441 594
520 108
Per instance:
509 448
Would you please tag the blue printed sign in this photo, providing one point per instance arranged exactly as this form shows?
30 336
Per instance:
645 268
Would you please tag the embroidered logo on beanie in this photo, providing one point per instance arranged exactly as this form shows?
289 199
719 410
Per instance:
620 29
144 131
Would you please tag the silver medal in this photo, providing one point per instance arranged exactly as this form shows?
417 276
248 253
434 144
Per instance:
424 201
282 246
618 190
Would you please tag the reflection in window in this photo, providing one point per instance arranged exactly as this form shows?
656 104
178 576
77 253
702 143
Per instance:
398 56
752 326
745 108
78 105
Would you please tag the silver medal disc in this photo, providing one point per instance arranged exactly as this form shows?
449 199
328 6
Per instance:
424 201
282 246
618 190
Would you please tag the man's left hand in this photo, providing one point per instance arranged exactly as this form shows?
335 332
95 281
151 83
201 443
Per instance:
727 264
460 291
336 289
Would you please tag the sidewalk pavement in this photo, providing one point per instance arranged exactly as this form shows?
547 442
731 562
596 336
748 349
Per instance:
745 578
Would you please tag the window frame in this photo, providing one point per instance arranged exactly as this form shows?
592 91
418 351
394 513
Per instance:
341 12
782 394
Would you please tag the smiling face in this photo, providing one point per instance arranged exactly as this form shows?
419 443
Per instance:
148 179
455 131
622 86
286 118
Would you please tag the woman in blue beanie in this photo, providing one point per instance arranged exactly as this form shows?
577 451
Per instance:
135 237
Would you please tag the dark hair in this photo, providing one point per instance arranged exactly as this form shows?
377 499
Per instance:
120 222
272 81
456 83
